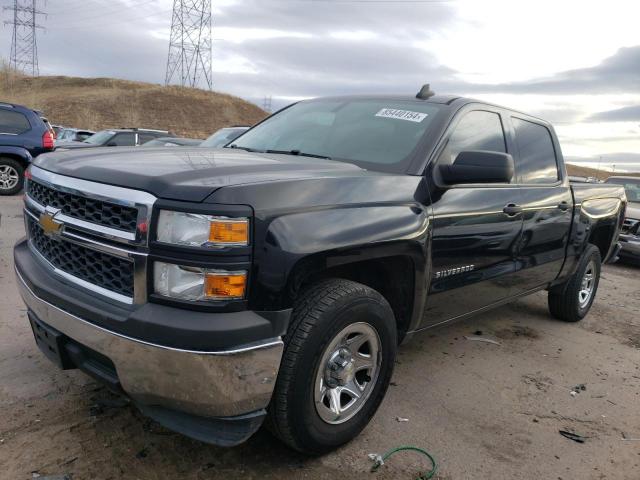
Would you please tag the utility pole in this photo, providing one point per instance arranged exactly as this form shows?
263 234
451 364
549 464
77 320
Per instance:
189 59
24 47
266 104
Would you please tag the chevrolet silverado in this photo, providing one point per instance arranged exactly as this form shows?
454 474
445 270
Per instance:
273 280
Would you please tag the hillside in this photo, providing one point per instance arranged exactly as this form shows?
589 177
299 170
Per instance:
98 103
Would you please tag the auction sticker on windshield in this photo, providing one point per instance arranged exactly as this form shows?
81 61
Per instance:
402 115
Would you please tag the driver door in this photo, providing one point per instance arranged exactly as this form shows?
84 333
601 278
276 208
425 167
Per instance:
474 239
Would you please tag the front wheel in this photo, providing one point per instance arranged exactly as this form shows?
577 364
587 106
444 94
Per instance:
572 301
11 176
336 367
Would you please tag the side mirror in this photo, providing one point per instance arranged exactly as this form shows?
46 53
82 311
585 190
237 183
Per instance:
478 167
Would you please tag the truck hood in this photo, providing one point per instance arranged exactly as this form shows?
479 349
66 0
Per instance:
189 174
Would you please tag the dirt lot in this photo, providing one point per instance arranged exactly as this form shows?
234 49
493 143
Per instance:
485 411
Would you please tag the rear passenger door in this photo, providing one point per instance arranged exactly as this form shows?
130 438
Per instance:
546 201
472 249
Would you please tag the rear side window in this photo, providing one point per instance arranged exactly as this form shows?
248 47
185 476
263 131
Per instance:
536 163
145 137
477 130
13 122
124 140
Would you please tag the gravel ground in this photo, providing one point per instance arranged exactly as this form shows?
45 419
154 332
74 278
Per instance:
485 411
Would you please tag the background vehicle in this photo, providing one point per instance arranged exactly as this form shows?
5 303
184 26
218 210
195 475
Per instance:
224 136
23 136
173 142
276 277
120 137
73 135
57 129
630 234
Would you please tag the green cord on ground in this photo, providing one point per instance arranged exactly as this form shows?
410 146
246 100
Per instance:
425 476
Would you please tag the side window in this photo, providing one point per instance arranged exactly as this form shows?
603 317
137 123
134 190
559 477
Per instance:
124 140
144 138
13 122
478 130
537 162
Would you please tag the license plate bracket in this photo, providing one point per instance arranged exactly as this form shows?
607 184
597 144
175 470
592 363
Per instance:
51 343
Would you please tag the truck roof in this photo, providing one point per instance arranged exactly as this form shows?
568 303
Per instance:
456 101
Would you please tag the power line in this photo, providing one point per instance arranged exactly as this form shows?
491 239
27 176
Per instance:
189 58
24 46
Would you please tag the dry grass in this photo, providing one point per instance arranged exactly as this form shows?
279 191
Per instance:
593 172
98 103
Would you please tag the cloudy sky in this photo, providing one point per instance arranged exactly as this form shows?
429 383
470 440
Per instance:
573 62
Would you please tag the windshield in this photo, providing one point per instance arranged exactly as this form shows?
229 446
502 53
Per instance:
631 187
100 137
223 136
377 134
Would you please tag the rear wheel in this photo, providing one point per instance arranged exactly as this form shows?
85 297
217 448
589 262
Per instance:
572 301
11 176
336 367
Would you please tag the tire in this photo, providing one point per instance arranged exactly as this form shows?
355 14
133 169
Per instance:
567 302
330 318
11 176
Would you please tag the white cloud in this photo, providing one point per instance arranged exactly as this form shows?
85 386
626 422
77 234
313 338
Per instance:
498 41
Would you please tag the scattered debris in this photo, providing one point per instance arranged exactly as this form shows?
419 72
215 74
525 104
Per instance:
402 419
572 436
142 453
573 393
378 460
477 338
580 387
65 476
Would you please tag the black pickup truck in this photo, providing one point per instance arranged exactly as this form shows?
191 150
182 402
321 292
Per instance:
275 278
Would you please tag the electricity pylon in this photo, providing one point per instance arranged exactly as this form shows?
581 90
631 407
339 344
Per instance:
24 47
189 59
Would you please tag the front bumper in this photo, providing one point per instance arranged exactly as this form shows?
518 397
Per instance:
181 388
630 246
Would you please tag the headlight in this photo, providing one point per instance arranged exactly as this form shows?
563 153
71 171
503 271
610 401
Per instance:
191 283
197 230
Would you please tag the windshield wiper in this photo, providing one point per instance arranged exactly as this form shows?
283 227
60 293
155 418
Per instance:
246 149
298 153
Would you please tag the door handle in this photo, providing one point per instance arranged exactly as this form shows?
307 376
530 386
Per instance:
564 205
512 209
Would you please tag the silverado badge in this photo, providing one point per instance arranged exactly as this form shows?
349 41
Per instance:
48 223
454 271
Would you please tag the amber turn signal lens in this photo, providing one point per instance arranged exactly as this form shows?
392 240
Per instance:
230 232
225 286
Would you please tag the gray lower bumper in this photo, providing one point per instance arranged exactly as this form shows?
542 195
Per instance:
630 245
211 384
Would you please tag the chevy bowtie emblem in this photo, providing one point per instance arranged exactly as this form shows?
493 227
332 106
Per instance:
48 223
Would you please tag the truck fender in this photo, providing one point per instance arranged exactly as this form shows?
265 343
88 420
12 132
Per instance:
298 246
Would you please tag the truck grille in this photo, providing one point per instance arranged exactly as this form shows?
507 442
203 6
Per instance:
83 208
101 269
